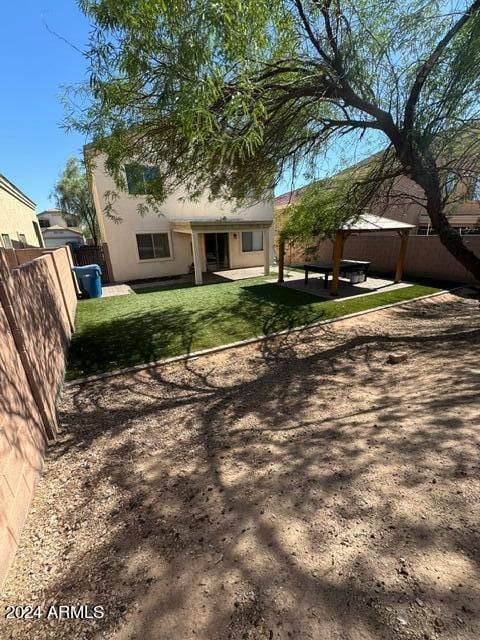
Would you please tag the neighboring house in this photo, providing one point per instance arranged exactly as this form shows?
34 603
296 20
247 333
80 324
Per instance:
464 212
59 236
56 232
200 236
18 223
52 218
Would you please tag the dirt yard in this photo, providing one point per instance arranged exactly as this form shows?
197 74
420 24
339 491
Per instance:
303 487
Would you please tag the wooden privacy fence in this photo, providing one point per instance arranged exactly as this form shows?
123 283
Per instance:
94 254
37 311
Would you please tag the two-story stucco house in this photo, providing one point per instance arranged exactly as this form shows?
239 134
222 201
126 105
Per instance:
52 218
185 236
18 223
56 232
405 204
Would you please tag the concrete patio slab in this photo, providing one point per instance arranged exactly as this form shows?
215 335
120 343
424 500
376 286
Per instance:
316 287
240 274
252 272
116 290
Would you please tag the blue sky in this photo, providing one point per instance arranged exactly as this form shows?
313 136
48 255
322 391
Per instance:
35 64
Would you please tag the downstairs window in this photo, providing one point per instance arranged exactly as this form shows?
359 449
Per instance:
252 241
152 246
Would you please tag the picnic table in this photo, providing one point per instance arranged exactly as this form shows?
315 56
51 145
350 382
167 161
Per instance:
346 267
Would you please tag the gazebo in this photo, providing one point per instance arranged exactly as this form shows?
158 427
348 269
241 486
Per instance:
366 223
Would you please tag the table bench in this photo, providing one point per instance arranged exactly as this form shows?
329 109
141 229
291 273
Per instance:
346 267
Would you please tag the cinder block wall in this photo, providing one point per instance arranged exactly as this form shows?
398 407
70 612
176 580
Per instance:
63 262
426 256
43 321
21 449
11 257
37 311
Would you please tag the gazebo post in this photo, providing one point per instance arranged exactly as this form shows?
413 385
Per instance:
281 259
402 254
337 258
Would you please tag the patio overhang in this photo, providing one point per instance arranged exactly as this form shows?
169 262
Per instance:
197 226
366 223
219 226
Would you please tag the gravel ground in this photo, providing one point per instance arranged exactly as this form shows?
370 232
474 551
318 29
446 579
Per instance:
303 487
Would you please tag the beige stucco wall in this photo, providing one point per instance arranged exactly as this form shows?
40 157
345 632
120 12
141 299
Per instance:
412 212
121 239
240 259
17 215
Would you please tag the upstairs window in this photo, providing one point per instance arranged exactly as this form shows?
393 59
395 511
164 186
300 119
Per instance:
252 241
23 240
44 223
153 246
140 178
7 243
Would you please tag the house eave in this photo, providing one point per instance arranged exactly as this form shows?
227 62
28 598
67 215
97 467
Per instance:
219 226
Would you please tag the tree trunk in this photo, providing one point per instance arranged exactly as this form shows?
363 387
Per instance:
425 174
453 241
93 230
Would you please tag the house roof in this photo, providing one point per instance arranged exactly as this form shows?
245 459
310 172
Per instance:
371 222
53 211
11 188
290 197
57 227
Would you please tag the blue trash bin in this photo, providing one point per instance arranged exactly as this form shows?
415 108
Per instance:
89 280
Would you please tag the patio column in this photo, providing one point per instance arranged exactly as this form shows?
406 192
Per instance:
266 251
281 259
402 254
197 260
337 258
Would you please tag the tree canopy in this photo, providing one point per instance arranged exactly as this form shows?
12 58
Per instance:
72 195
229 95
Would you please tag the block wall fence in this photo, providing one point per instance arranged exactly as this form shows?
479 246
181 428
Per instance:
426 256
37 312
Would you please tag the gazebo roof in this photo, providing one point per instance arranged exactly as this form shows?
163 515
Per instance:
371 222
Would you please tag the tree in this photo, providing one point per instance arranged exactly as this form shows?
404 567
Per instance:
229 95
72 195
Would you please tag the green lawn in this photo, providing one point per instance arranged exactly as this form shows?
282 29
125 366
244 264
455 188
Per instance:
121 331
